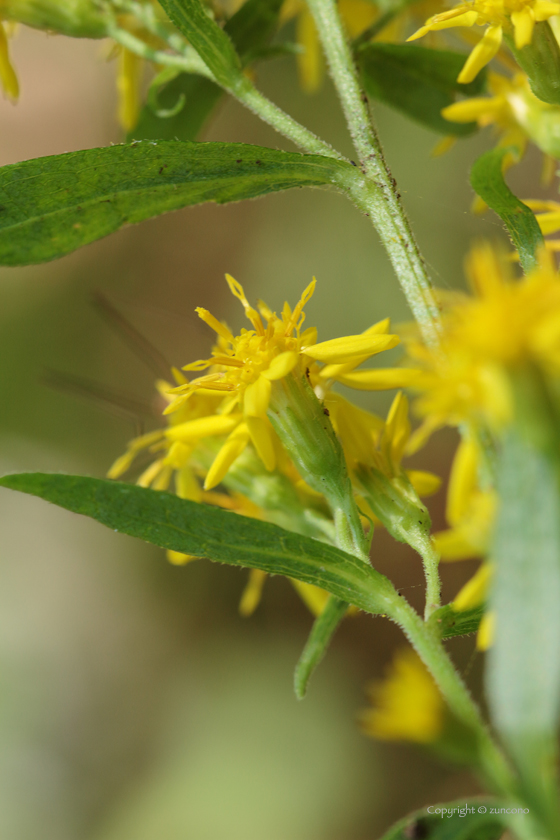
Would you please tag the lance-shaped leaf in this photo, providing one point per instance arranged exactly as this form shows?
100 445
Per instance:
487 179
417 81
470 819
51 206
178 109
213 45
205 531
523 675
317 643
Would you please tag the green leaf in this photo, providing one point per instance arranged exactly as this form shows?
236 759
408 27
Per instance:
51 206
523 675
205 531
212 44
250 30
417 81
450 622
317 643
487 180
460 820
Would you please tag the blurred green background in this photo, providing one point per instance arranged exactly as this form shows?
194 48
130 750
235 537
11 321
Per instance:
135 703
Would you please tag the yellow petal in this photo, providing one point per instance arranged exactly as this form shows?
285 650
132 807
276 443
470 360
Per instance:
348 347
281 365
453 545
543 10
150 474
475 590
177 455
445 21
356 428
177 558
379 379
469 110
486 631
257 397
484 52
549 222
313 597
523 25
7 73
261 436
250 599
333 371
232 449
122 464
425 483
192 430
129 80
462 481
163 479
310 60
187 485
443 146
397 428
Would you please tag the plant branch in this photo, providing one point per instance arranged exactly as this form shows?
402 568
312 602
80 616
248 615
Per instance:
378 196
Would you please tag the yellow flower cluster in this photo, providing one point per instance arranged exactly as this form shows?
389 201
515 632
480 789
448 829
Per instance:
506 324
499 17
219 431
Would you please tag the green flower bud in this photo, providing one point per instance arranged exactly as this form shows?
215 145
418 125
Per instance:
302 424
541 62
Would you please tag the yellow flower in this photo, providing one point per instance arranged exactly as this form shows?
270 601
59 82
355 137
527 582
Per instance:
499 17
407 705
470 511
243 369
507 324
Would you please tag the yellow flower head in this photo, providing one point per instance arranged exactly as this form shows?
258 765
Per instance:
498 16
505 325
243 369
407 705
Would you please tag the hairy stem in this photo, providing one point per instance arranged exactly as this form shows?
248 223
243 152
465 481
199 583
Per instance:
492 763
381 202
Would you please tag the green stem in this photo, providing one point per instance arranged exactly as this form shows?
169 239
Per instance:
283 123
430 559
377 195
492 763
